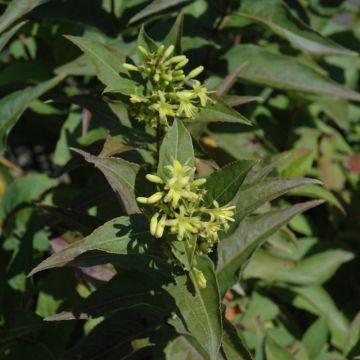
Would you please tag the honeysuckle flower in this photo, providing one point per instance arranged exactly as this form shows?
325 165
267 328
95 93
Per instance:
223 214
179 209
179 184
163 107
210 231
183 224
179 170
200 92
167 94
186 104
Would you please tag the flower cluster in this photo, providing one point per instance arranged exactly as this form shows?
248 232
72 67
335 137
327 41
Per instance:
168 91
180 209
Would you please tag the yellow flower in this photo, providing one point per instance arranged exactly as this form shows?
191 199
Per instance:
186 106
179 184
200 92
177 169
210 231
222 214
183 225
162 107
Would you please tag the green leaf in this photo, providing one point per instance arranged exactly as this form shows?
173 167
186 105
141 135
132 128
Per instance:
184 347
236 250
298 163
175 34
146 41
177 145
233 345
275 352
4 38
70 132
219 111
251 196
74 220
316 300
283 72
15 10
260 308
121 176
315 269
264 264
234 100
115 336
107 59
155 7
353 340
315 338
126 290
82 65
24 190
199 308
184 250
13 106
223 185
276 16
121 85
318 192
121 236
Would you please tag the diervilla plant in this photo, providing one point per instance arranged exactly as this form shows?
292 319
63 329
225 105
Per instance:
173 259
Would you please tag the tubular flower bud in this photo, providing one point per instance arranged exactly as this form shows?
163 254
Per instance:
154 179
142 200
179 78
130 67
177 59
156 102
156 77
194 73
181 64
153 224
179 205
168 52
199 278
143 51
166 77
160 50
199 182
160 227
155 197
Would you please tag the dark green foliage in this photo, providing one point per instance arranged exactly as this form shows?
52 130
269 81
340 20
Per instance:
81 275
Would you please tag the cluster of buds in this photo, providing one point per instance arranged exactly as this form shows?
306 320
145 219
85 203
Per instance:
168 91
180 210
